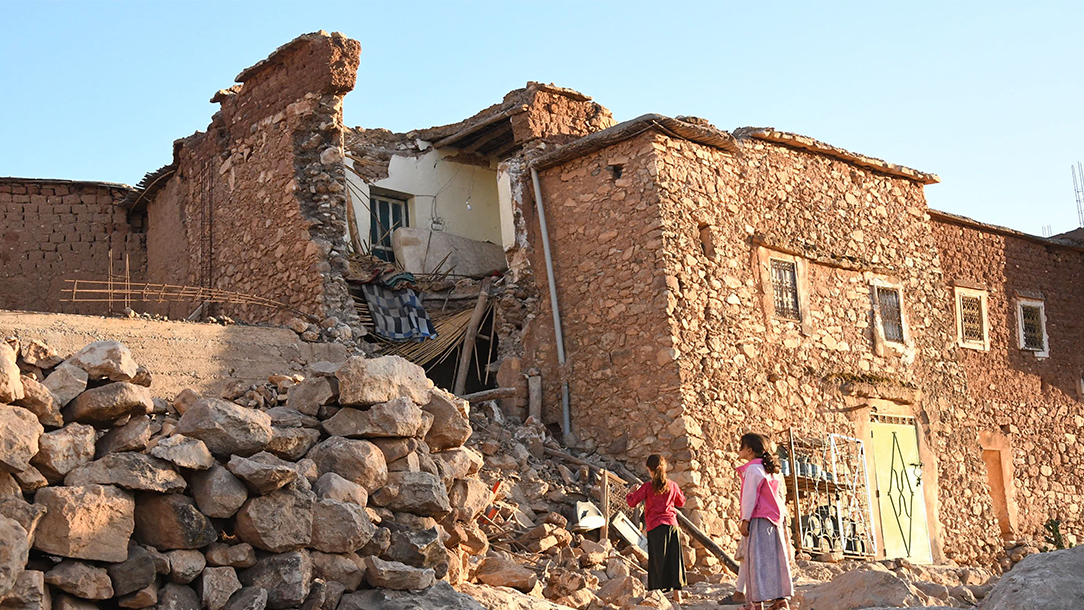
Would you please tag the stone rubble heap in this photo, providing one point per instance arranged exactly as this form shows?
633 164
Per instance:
317 492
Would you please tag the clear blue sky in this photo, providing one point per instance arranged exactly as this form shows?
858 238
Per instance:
987 95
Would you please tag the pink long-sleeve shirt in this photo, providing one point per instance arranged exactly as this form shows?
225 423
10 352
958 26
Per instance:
659 509
761 493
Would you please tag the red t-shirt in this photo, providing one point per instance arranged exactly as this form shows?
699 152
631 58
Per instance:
659 509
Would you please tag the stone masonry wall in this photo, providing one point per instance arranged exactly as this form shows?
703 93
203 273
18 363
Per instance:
743 369
1034 402
624 386
55 230
257 204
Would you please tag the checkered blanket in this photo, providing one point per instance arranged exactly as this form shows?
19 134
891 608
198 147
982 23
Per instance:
398 315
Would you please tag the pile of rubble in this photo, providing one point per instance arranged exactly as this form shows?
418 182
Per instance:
310 492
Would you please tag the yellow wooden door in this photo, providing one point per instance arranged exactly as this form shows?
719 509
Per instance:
898 471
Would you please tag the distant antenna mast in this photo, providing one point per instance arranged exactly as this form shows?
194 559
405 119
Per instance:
1078 190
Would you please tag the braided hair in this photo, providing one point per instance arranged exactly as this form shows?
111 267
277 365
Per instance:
758 444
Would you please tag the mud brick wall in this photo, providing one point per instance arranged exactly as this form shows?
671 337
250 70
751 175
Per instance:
1035 403
559 115
257 203
55 230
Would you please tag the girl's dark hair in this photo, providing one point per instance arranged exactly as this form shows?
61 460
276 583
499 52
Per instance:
656 465
758 444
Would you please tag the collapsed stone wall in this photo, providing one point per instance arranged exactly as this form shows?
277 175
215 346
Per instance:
1034 403
56 230
257 203
291 493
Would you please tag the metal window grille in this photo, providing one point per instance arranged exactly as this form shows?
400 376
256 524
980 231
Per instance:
1031 317
888 304
785 289
971 322
385 216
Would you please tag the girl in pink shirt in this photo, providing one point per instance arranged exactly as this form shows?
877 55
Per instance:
661 498
764 575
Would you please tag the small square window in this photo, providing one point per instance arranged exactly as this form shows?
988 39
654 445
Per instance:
1031 319
888 305
971 322
785 289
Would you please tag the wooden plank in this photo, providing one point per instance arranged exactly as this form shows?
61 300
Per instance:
468 339
534 397
493 394
605 501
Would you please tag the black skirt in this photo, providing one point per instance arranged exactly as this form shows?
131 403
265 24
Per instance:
665 564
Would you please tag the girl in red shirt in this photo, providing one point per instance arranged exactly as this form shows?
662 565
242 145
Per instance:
661 498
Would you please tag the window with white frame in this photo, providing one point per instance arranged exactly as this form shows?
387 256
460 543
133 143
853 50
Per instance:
890 308
971 318
785 289
386 214
1031 326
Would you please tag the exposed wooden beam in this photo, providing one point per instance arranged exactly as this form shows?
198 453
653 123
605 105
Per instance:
479 126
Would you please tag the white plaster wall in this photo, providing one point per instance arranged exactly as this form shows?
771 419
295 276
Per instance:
437 186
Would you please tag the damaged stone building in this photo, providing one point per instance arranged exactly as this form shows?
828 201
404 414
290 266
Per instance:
658 286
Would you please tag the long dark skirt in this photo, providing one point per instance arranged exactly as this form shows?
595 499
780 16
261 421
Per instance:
665 564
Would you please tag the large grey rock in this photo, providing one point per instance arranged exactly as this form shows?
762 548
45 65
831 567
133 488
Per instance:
285 417
132 436
177 597
340 527
234 555
14 549
19 433
419 548
29 593
90 522
292 443
36 353
248 598
10 486
285 576
278 522
311 394
226 428
143 598
419 493
29 480
135 573
66 382
469 497
501 572
217 585
185 452
861 589
345 569
263 472
395 575
40 401
396 418
450 428
440 596
396 448
354 460
11 385
459 462
218 493
331 486
171 521
62 450
109 359
1051 581
103 405
129 470
185 565
26 515
80 579
370 381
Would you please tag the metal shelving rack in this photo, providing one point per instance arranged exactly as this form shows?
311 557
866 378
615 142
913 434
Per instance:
828 486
